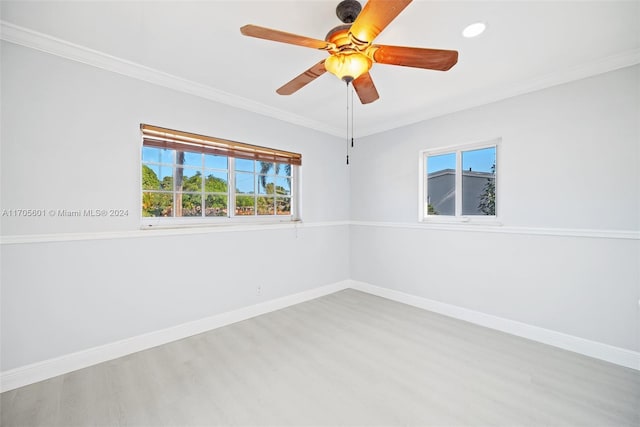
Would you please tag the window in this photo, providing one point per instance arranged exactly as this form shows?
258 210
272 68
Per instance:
190 177
459 182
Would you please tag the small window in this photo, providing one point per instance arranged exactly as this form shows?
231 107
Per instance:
459 182
190 176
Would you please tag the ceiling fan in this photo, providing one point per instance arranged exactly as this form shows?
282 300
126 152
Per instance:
351 49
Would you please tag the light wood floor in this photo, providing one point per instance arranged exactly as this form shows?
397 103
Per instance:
344 359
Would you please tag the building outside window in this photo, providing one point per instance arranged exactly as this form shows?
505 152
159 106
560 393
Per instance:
459 182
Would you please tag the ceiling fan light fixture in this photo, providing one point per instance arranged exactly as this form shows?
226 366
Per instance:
474 30
351 49
348 66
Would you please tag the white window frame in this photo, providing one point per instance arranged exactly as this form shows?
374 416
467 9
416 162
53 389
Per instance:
231 218
457 218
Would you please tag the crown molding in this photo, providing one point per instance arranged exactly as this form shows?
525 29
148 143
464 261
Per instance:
502 92
35 40
55 46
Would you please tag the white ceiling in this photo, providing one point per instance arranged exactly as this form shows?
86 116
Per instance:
528 45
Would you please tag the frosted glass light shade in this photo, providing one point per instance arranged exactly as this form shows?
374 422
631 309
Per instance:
348 66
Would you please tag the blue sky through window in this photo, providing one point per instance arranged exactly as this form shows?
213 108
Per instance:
480 160
244 165
157 155
162 171
441 162
215 162
245 182
192 159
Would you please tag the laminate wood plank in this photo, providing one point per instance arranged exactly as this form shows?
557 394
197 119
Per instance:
347 358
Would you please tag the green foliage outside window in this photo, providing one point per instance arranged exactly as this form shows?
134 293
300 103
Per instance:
160 203
184 192
488 197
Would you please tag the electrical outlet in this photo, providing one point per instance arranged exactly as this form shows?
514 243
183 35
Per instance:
259 289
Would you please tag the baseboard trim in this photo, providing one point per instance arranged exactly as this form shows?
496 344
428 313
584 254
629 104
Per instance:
597 350
46 369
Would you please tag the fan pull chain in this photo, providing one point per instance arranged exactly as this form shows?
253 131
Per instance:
347 123
352 122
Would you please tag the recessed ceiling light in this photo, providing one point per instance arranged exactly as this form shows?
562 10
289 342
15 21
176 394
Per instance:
474 30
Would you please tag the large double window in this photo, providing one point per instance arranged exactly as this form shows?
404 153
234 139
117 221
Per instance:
186 177
459 182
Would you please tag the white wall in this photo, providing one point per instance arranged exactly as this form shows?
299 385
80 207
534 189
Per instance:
71 140
569 169
568 165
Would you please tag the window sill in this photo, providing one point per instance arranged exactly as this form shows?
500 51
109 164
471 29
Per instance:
189 223
462 221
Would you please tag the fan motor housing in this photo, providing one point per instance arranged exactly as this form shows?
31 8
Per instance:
348 10
339 35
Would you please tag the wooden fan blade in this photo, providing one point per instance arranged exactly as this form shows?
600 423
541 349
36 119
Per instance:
303 79
431 59
365 89
283 37
374 17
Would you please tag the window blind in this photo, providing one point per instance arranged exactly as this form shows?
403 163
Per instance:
154 136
